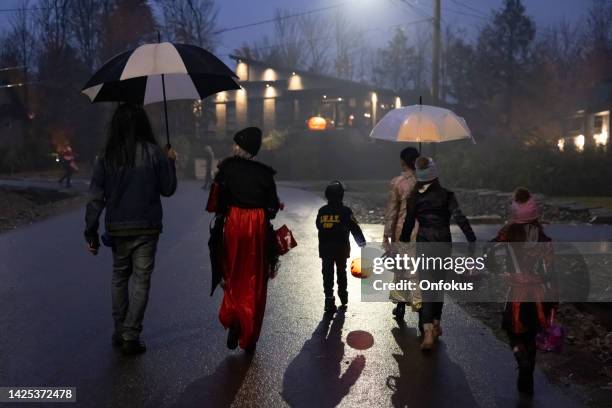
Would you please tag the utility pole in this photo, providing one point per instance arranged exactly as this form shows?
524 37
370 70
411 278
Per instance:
435 69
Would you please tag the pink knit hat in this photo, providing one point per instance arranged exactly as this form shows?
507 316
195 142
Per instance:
524 213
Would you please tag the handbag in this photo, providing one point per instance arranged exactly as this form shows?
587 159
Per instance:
284 240
551 337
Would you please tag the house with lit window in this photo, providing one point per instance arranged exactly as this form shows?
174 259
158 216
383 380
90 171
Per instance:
277 98
590 126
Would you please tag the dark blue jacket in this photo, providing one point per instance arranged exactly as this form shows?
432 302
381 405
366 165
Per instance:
335 222
131 195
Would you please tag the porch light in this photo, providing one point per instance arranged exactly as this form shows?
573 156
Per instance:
579 142
601 139
561 144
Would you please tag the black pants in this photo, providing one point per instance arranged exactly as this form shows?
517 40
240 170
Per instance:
429 312
524 348
67 176
433 299
328 276
524 341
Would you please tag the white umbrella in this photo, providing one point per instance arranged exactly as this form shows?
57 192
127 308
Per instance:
421 124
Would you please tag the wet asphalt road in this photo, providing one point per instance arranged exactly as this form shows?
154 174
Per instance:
55 329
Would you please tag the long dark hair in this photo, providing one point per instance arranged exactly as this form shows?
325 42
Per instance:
129 128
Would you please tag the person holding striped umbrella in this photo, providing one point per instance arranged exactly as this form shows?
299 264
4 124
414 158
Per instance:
134 171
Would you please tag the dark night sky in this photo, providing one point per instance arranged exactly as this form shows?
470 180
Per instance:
367 14
383 13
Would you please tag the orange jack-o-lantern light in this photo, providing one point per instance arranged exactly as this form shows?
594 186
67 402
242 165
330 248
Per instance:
317 123
356 269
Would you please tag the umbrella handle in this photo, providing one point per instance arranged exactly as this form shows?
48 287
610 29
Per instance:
166 110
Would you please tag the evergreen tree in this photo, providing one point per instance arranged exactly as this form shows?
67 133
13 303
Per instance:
504 53
395 64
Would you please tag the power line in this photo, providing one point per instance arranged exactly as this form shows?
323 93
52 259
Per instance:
468 7
416 8
544 31
279 18
331 36
465 13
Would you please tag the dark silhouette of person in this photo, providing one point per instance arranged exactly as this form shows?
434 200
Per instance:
426 380
128 182
67 161
209 155
314 378
219 388
335 221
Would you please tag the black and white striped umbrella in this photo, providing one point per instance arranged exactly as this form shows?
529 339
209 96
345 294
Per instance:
160 72
188 71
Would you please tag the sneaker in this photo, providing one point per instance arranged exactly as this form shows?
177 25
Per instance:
330 305
232 336
133 347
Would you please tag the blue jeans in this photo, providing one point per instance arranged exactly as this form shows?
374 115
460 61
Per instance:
133 257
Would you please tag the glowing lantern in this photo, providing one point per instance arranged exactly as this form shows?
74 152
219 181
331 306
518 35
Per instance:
356 269
317 123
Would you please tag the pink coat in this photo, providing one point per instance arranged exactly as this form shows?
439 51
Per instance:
395 214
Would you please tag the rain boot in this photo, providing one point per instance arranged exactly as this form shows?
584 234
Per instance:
437 329
428 337
399 311
330 305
